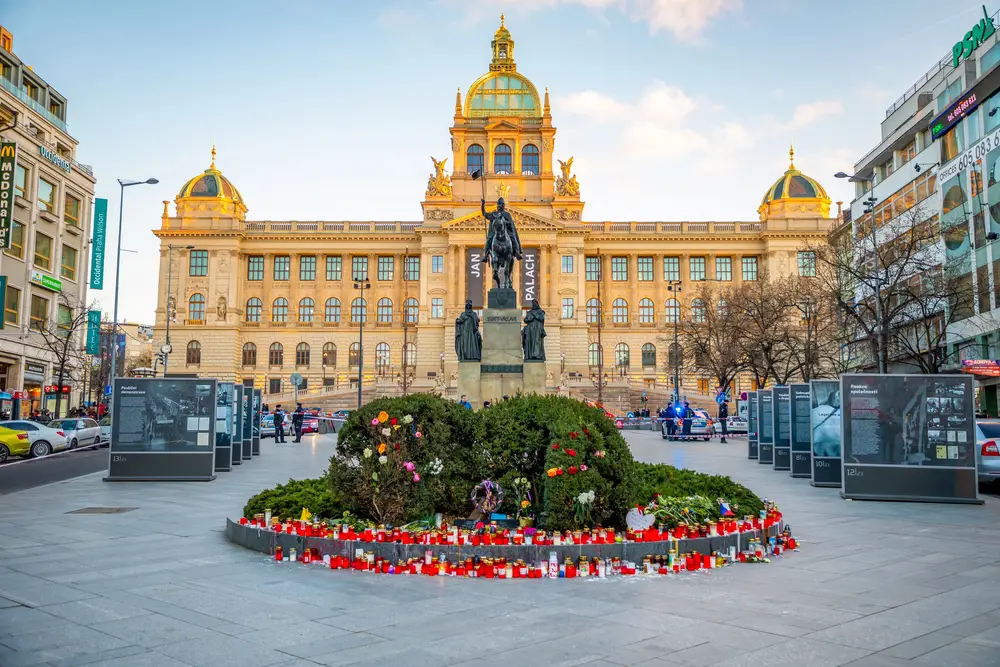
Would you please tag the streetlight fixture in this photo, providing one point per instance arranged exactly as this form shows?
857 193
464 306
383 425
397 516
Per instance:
167 349
361 285
118 265
869 206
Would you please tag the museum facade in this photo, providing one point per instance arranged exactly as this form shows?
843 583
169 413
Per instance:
262 300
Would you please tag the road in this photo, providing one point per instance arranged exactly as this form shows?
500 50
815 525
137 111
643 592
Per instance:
20 476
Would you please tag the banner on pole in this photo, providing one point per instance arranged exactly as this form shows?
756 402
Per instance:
93 332
97 254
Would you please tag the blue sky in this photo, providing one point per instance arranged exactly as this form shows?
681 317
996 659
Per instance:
329 110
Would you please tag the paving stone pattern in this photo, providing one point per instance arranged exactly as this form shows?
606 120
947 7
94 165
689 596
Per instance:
874 585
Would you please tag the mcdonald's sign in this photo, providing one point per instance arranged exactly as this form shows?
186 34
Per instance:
8 158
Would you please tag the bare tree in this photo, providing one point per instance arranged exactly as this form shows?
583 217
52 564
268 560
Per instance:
712 332
812 336
143 360
765 307
64 340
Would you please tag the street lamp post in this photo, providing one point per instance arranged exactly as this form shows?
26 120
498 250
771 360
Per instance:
600 318
675 286
869 206
118 266
170 267
361 285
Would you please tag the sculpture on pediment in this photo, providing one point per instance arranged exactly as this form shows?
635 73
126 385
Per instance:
567 214
566 184
439 183
439 214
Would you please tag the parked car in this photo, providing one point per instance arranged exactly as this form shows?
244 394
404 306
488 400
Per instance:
267 425
988 450
341 414
13 443
44 439
79 432
734 425
701 425
310 425
105 430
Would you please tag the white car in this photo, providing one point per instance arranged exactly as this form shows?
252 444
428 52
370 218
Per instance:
80 432
106 430
44 439
734 425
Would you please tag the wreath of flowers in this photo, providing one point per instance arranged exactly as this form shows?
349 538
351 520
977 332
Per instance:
487 496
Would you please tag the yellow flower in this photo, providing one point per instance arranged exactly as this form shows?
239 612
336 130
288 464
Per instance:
381 448
383 417
551 472
524 504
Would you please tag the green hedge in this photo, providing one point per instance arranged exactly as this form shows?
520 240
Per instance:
287 500
671 482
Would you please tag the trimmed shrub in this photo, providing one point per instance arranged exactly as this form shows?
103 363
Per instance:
671 482
287 500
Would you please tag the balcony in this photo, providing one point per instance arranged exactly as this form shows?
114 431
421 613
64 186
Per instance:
278 325
194 323
346 228
329 325
9 86
675 228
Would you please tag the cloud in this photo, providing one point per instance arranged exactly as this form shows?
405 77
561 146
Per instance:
807 114
595 105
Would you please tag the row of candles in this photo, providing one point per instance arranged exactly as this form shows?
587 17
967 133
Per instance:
672 562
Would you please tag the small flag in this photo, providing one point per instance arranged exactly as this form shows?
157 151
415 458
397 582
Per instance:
306 515
724 509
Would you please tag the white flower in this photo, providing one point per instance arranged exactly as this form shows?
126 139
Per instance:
585 498
387 431
383 459
590 496
435 467
367 453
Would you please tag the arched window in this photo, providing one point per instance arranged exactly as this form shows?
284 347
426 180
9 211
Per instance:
410 354
595 354
673 311
194 352
254 308
354 354
529 160
382 356
249 354
593 311
302 354
329 354
474 158
723 308
383 310
331 312
410 310
698 311
619 311
622 360
279 310
647 311
359 310
648 355
501 159
306 307
276 355
196 308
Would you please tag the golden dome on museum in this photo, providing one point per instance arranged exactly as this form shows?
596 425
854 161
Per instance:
795 192
502 91
210 184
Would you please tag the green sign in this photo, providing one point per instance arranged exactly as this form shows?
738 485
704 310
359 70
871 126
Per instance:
93 332
45 281
973 39
8 158
3 300
100 234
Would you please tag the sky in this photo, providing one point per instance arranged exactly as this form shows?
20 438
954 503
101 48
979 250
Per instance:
331 109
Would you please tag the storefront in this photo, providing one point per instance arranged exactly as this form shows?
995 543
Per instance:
34 379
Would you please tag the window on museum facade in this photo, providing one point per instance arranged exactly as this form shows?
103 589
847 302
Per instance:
411 311
306 308
697 268
592 268
567 308
437 264
411 268
647 312
302 354
282 267
193 353
567 263
502 159
594 354
254 307
807 263
198 263
382 356
724 268
279 310
622 356
329 354
410 354
698 311
673 310
645 268
593 311
249 354
274 386
619 311
437 307
383 310
196 308
619 269
331 311
529 160
354 354
359 310
672 269
474 158
723 309
334 267
648 355
749 268
307 267
275 355
386 268
359 268
255 268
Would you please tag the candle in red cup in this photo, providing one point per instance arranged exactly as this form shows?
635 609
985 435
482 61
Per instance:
277 553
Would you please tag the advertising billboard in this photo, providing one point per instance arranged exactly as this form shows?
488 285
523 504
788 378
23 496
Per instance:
224 427
752 427
824 429
163 429
800 405
909 437
765 424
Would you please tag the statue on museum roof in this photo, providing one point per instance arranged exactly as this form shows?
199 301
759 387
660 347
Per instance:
503 245
439 183
566 185
468 340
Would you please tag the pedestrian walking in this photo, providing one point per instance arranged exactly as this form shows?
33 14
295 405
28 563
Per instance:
297 418
279 424
724 418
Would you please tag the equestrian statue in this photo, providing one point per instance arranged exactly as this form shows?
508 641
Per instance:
503 245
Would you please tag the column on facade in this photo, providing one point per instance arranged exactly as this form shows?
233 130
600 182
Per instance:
633 279
660 288
710 266
463 288
555 275
542 277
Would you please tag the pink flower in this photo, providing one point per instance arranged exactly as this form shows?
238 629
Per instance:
409 465
583 468
419 435
416 477
375 421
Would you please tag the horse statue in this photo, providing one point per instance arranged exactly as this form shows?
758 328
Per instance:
503 245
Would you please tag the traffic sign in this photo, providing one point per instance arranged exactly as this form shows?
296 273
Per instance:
107 390
743 396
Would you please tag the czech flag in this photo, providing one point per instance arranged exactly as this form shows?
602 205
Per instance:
724 509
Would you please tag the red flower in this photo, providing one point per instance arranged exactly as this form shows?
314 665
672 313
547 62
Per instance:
573 434
571 452
392 421
572 470
555 446
586 432
396 446
559 471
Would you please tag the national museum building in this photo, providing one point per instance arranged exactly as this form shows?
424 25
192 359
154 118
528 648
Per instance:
265 299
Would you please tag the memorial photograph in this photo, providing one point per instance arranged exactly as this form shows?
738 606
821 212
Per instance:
164 415
825 419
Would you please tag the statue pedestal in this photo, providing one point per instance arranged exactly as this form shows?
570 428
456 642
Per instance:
469 382
502 369
534 377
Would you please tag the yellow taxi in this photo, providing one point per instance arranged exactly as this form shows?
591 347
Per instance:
13 443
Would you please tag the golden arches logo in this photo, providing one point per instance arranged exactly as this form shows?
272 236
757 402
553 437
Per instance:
8 150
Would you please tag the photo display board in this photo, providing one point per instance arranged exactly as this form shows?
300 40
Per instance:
246 399
909 437
224 427
800 405
163 429
752 422
255 427
824 429
237 425
765 423
782 428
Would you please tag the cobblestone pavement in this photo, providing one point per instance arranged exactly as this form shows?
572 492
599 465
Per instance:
874 585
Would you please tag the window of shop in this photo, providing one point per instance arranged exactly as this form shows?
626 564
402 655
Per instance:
567 308
39 312
282 267
645 268
386 268
724 268
46 196
619 269
43 251
67 268
71 210
672 269
255 268
696 265
331 310
334 268
16 248
359 268
307 267
12 306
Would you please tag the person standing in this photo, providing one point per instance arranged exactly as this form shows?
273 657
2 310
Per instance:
724 419
279 424
669 420
686 424
465 403
297 418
